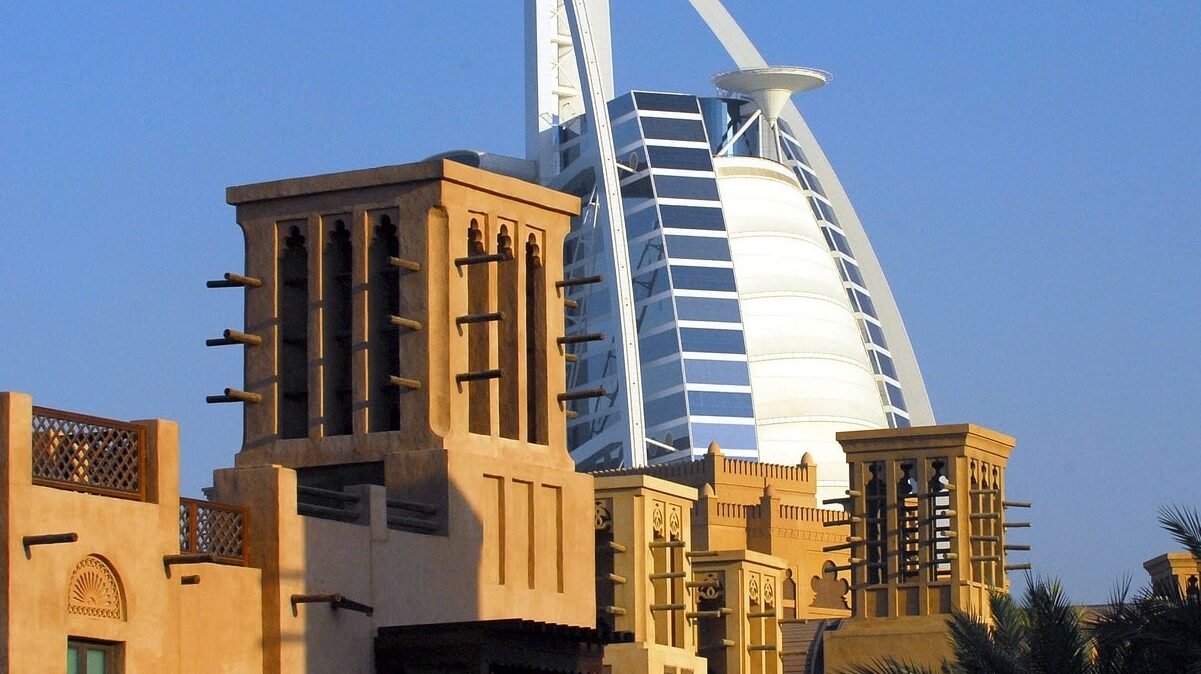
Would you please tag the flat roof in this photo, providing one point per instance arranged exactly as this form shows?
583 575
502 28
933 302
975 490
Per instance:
438 169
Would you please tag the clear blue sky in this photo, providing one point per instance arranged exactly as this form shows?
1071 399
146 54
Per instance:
1030 177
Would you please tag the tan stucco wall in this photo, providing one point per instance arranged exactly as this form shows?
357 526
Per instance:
650 658
642 508
1173 570
795 534
412 578
221 631
746 505
918 640
512 514
132 538
907 620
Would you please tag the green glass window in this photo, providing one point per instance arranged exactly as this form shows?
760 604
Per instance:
91 657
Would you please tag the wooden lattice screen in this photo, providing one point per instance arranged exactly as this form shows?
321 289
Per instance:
90 454
213 528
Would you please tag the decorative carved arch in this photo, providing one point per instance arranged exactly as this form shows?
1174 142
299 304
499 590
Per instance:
95 590
829 591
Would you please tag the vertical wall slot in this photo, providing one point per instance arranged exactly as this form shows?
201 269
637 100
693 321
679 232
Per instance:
336 315
508 329
877 524
938 537
535 343
479 397
293 297
384 339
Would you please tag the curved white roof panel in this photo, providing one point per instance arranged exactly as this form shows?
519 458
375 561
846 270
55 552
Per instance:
810 373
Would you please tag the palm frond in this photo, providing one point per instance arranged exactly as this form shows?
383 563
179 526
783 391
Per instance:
888 666
1009 630
1184 524
1114 631
975 649
1171 632
1058 642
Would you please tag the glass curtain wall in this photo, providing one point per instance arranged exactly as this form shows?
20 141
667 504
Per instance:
696 386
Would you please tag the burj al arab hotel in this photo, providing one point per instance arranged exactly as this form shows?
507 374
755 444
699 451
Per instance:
720 287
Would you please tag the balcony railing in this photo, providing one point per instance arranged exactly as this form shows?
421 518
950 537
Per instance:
215 529
89 454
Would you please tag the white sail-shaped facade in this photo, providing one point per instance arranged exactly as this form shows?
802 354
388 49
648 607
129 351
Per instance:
810 374
748 319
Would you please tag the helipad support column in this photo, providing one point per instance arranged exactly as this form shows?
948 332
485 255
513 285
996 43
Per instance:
771 88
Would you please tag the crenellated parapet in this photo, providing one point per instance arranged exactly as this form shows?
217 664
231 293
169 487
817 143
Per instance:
771 510
737 480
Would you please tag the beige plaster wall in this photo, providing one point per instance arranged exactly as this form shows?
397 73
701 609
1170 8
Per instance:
131 537
907 620
527 520
221 630
512 514
773 525
1173 570
918 640
641 509
650 658
515 533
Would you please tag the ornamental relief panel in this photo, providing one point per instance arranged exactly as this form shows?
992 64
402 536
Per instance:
752 590
657 519
709 585
798 534
95 591
673 523
769 593
829 591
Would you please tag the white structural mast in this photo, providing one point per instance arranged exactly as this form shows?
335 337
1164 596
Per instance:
553 85
594 62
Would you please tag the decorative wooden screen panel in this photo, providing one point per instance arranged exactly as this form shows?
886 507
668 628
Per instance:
212 528
91 454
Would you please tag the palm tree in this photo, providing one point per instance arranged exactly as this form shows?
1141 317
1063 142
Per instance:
1157 631
1185 526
